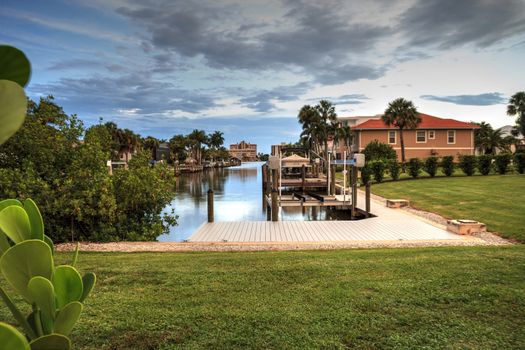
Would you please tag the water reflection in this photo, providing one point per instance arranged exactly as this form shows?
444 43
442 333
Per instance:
238 197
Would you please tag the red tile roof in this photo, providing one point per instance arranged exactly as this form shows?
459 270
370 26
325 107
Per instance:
427 122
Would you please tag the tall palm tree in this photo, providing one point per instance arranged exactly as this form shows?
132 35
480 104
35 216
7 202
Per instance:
327 115
516 107
403 115
178 146
198 138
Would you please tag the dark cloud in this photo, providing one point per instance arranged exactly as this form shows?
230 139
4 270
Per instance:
80 64
129 91
486 99
450 23
261 100
316 38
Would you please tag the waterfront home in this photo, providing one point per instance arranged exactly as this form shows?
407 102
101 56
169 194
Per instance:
246 152
433 137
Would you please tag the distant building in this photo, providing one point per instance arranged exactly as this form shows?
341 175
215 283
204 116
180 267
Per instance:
507 131
246 152
162 152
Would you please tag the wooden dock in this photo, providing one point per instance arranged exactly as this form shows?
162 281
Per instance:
388 225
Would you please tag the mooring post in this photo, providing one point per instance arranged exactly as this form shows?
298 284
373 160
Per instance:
264 170
367 198
275 179
354 191
303 177
332 179
210 205
275 205
268 180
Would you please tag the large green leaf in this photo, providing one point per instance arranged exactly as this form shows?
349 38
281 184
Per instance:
67 317
7 202
4 243
88 281
51 342
24 261
11 339
68 285
49 242
14 223
42 294
35 218
14 65
13 108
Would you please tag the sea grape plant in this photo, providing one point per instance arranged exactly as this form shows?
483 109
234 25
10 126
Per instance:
55 293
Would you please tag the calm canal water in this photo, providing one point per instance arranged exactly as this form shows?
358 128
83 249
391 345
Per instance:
238 197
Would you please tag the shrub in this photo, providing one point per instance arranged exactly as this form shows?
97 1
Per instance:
484 164
414 167
519 162
447 163
468 164
376 150
366 173
394 169
502 162
431 166
378 170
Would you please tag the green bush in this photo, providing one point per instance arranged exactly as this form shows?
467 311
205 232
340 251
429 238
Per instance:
484 164
430 166
468 164
394 169
447 163
519 162
366 173
378 168
376 150
414 167
502 162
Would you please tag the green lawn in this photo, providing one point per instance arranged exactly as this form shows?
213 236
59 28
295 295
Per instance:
496 200
454 298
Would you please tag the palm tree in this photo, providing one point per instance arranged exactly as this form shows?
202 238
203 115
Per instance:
198 138
516 107
178 146
327 115
152 144
403 115
216 139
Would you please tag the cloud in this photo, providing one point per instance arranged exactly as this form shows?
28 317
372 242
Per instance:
445 24
486 99
315 38
263 100
101 94
349 99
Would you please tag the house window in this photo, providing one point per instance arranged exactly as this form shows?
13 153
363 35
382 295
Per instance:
451 136
392 137
421 136
431 134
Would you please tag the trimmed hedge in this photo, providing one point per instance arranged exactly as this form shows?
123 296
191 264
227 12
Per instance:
502 162
431 166
484 164
447 163
378 168
394 169
519 162
468 164
414 167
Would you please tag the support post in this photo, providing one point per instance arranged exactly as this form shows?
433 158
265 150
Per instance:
275 179
210 205
264 170
332 180
303 177
275 206
367 199
354 192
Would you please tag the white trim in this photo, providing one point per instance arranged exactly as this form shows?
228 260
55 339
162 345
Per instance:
388 137
450 148
425 133
433 134
452 143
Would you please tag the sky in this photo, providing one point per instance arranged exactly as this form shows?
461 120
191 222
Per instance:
245 67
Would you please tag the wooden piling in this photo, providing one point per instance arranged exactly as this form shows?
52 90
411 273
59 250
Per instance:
210 205
275 205
367 198
303 177
332 180
354 191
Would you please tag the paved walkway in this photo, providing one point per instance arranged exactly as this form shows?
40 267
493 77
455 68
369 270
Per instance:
389 225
